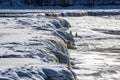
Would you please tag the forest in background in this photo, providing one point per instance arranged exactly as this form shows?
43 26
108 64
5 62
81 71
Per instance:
63 3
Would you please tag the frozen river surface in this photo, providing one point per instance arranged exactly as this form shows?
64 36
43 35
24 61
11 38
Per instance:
97 56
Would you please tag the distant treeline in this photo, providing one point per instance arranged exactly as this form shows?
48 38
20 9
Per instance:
63 3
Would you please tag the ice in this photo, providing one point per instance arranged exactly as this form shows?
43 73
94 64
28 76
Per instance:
29 49
33 69
37 49
96 56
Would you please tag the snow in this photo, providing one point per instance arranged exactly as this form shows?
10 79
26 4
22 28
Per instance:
97 53
13 62
29 69
29 49
32 46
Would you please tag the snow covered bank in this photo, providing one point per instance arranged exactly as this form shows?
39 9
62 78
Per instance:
86 13
33 48
33 69
60 12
